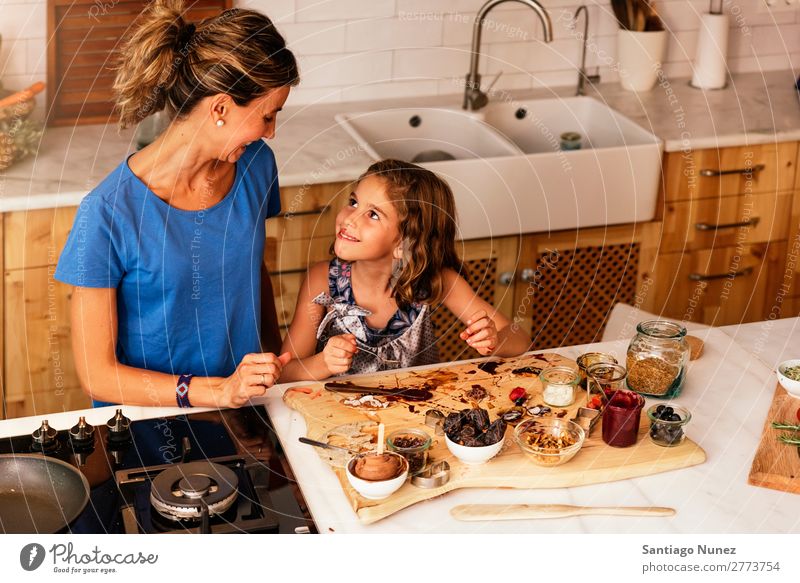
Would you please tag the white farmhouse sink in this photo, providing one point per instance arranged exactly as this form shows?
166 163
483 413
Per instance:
506 168
425 135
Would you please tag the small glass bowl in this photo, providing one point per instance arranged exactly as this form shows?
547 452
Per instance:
668 433
555 427
588 359
417 457
558 385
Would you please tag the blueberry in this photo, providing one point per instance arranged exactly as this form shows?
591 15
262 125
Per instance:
659 409
668 410
674 417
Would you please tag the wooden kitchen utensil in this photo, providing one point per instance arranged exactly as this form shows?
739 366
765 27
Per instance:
474 512
451 383
776 465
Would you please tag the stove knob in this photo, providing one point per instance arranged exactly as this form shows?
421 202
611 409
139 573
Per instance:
44 438
119 427
82 433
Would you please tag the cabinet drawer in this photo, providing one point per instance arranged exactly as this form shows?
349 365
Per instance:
729 171
730 220
308 212
721 286
36 238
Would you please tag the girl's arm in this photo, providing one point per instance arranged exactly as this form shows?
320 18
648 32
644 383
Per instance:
487 331
301 340
94 338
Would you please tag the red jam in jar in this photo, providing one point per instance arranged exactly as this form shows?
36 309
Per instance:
621 418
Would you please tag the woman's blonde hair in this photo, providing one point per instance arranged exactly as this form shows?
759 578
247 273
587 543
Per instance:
170 64
427 213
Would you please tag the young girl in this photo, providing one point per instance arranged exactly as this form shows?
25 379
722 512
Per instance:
368 309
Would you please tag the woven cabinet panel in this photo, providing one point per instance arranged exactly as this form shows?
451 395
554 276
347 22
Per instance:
574 294
481 274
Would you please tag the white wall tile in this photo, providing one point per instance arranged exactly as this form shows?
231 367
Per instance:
433 63
36 60
23 21
376 34
345 69
385 90
342 9
13 57
315 38
279 11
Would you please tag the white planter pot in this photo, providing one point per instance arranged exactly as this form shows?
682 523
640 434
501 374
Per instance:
639 56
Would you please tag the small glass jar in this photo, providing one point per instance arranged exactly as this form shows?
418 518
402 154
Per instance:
588 359
412 444
606 378
621 417
657 359
558 385
667 423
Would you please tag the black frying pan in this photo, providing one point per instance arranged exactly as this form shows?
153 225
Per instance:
39 494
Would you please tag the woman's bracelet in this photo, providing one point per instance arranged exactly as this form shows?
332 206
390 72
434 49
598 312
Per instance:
182 390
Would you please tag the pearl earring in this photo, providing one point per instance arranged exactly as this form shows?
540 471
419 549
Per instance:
220 123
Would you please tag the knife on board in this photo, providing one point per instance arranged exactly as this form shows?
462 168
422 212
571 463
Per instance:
475 512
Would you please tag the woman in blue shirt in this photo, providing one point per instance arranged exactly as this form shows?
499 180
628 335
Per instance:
166 253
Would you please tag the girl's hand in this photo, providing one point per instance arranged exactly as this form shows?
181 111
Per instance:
252 377
338 353
481 333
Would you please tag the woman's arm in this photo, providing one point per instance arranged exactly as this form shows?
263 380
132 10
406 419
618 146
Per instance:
488 331
94 338
301 340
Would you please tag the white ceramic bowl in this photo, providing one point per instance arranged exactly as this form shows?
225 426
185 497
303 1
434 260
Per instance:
792 387
376 490
474 455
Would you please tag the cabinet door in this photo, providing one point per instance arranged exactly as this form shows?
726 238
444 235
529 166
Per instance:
570 281
40 372
722 286
489 268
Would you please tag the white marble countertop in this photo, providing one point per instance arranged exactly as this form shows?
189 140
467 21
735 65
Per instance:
728 390
311 147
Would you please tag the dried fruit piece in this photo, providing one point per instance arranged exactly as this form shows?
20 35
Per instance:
517 393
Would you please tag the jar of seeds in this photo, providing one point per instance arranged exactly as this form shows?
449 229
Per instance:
657 359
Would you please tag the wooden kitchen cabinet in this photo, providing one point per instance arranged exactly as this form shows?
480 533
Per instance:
727 225
569 281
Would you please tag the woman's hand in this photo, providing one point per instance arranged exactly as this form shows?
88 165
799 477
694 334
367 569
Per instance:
256 373
481 333
338 353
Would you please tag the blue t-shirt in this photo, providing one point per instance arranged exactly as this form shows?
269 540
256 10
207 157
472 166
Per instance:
188 282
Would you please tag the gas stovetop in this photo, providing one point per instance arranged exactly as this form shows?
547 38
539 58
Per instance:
215 472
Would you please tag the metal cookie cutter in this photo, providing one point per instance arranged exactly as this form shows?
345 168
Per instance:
435 475
435 418
587 419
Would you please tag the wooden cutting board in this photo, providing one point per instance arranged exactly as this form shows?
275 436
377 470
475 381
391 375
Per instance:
595 463
777 465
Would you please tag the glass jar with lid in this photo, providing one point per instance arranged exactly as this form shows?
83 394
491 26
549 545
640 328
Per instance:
657 359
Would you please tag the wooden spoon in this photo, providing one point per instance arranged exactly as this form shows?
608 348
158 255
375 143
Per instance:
474 512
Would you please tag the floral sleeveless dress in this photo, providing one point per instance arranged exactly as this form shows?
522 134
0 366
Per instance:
407 340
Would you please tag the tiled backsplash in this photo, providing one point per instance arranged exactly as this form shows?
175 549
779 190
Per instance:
365 49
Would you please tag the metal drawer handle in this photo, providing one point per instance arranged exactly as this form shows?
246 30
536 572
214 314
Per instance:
750 170
751 222
703 277
292 214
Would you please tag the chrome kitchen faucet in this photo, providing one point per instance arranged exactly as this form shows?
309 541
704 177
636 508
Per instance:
474 98
582 76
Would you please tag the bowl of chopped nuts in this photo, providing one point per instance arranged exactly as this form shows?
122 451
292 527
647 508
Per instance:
549 442
789 376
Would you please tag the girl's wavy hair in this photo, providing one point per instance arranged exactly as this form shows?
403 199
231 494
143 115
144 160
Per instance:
427 224
171 64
